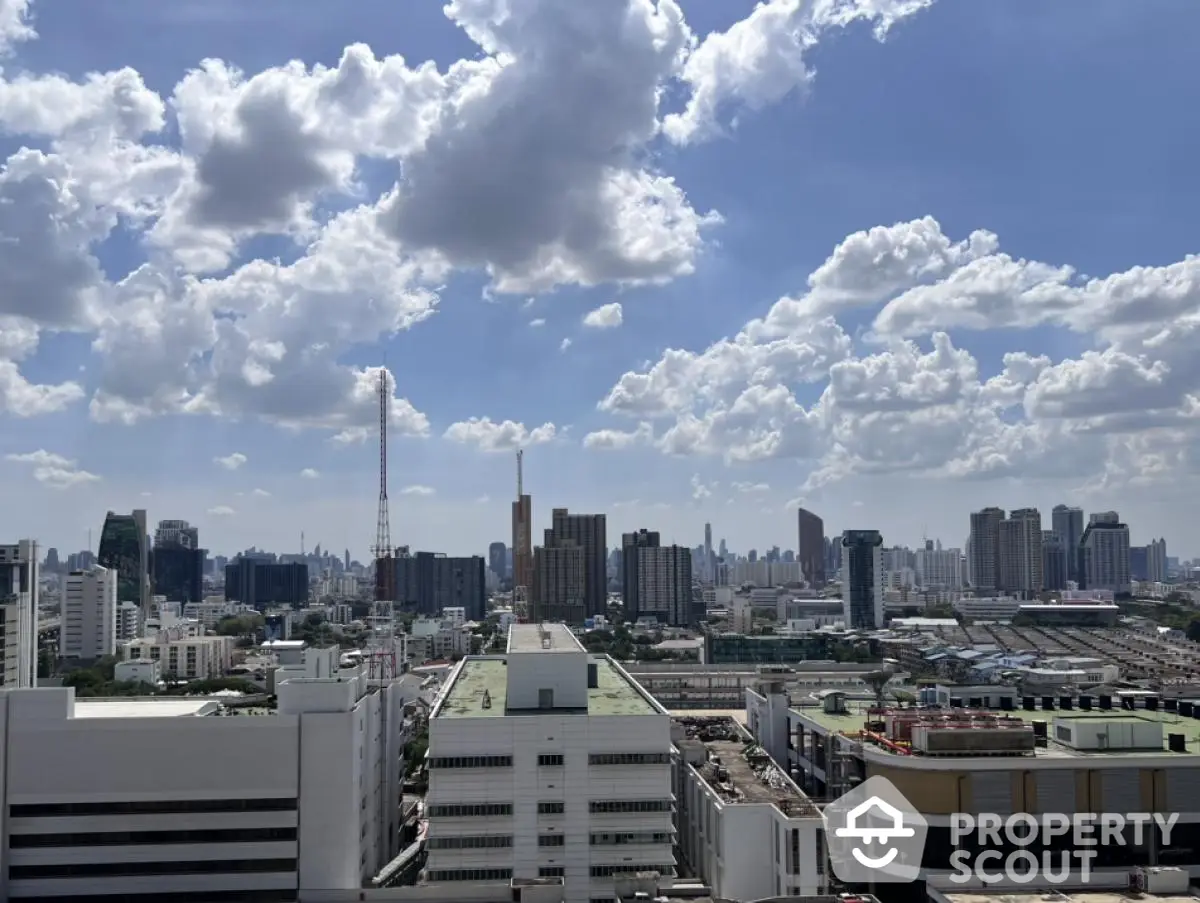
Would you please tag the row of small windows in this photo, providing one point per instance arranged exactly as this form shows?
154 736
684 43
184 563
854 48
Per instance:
470 875
151 807
551 871
466 810
629 759
607 871
550 759
482 842
470 762
628 837
601 807
136 869
549 807
135 838
550 840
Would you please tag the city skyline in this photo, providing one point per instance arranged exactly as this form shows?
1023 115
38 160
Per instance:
785 540
678 281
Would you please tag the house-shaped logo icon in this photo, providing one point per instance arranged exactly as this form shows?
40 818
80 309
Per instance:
869 835
874 834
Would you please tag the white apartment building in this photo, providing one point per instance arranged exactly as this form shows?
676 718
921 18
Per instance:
127 616
189 658
940 568
19 579
176 800
547 762
744 826
88 628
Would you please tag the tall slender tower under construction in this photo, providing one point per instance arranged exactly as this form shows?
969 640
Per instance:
522 536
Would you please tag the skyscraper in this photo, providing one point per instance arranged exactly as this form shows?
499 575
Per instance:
124 547
1021 553
498 559
810 547
1105 547
664 581
985 550
862 578
1067 522
630 589
706 572
522 539
177 562
589 532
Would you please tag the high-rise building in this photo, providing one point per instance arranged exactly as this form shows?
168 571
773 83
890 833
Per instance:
1067 522
428 582
1054 561
630 591
547 762
810 547
20 575
1021 553
498 559
558 582
1105 546
177 562
985 550
125 548
88 629
1156 561
939 568
706 571
589 532
265 583
522 542
664 585
862 578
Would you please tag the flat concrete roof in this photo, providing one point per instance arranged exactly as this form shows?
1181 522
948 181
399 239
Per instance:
146 707
614 695
543 638
1172 723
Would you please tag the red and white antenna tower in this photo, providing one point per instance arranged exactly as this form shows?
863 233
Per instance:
381 652
522 565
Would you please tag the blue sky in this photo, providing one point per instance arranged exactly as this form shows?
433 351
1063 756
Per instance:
1058 128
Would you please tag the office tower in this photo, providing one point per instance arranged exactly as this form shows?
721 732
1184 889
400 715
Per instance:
177 562
1139 563
556 757
88 629
664 584
985 550
589 532
1067 522
706 570
1105 546
1156 561
20 575
498 559
427 582
630 592
1021 553
259 583
125 548
1054 561
862 578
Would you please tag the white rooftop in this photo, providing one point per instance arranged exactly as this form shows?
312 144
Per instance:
543 638
145 707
